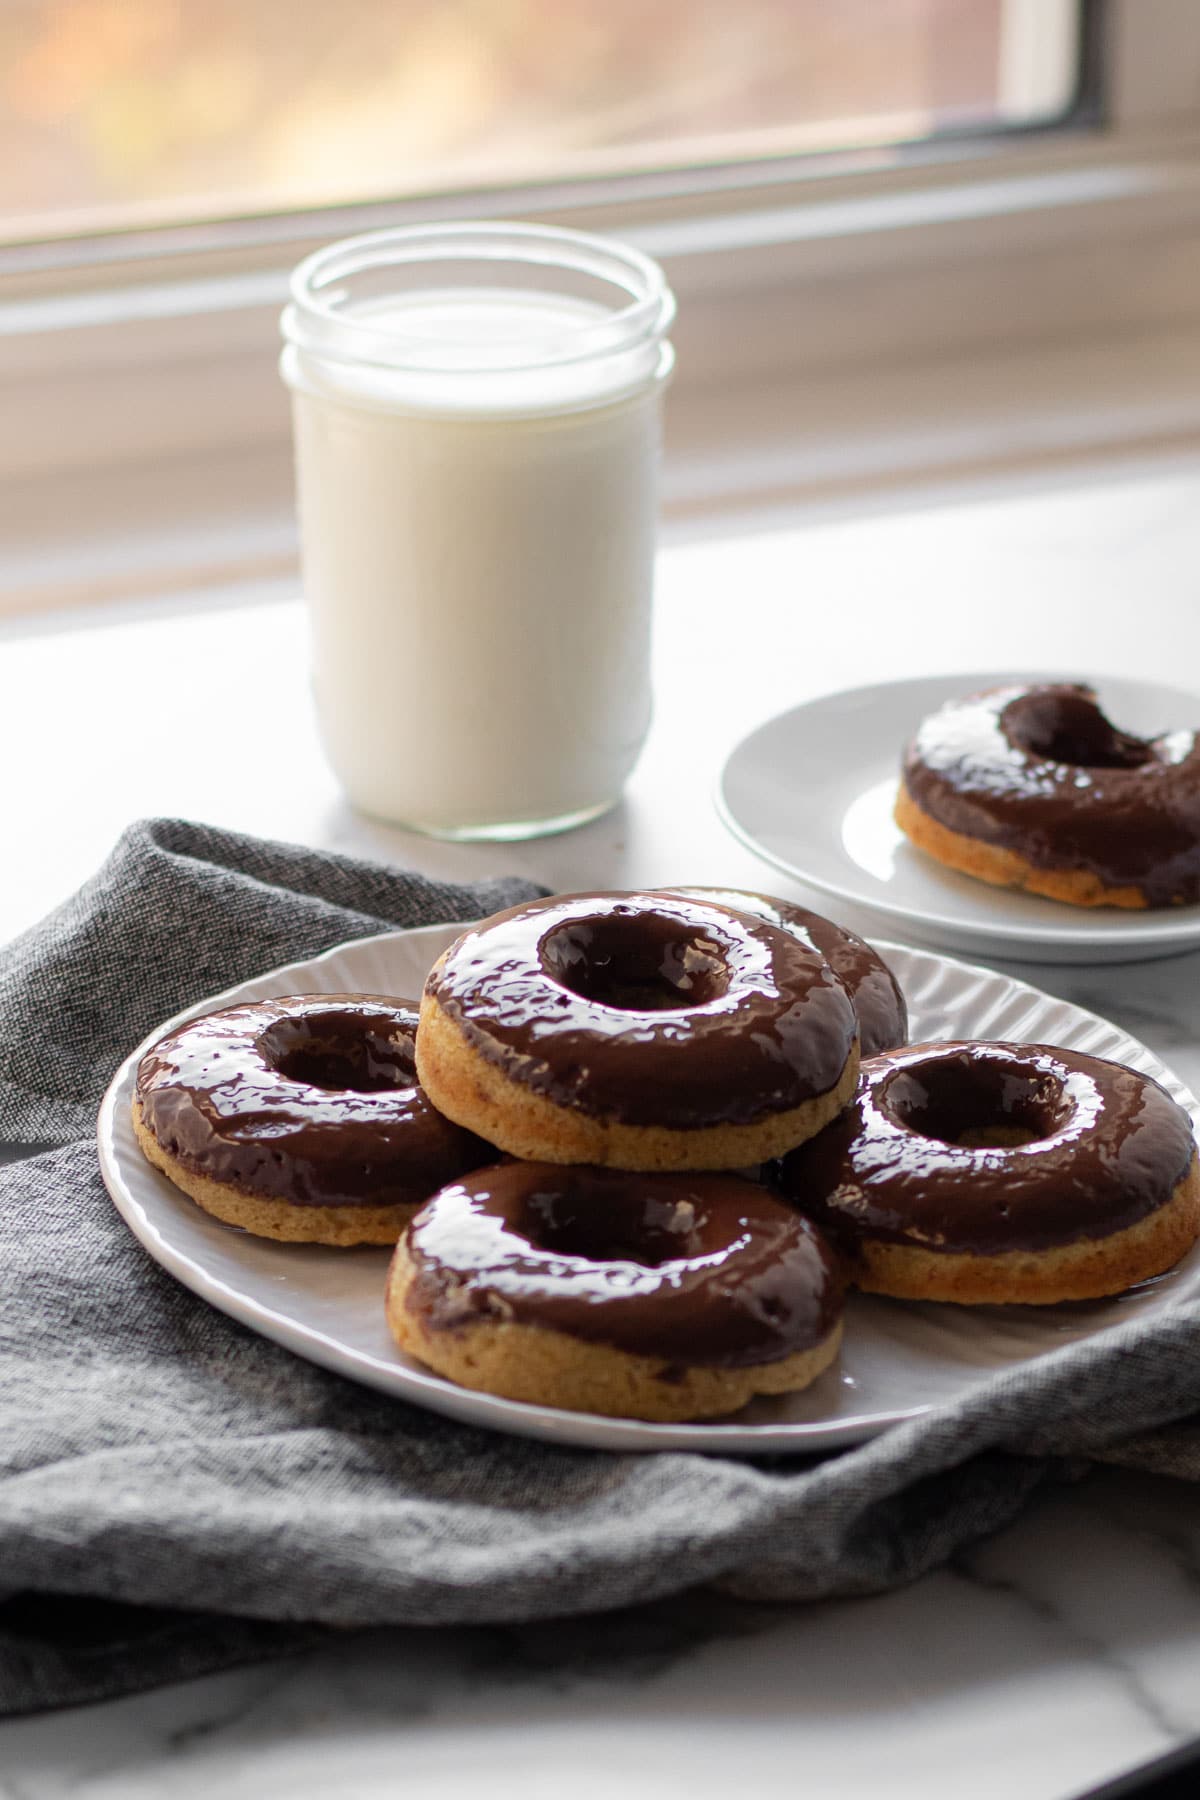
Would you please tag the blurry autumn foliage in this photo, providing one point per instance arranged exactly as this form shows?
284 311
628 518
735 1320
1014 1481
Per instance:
142 109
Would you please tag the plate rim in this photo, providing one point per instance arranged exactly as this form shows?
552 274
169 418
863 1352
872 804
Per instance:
421 1387
1132 931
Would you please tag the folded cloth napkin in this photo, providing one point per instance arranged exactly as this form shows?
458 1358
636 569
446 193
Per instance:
177 1494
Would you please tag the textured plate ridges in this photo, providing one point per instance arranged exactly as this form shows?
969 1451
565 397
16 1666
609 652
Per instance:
941 992
898 1361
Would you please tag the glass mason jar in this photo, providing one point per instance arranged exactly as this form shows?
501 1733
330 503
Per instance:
477 422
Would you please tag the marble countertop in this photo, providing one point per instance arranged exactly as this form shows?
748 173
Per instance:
1058 1653
1045 1660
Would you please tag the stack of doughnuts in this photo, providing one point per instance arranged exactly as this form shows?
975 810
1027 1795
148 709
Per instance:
633 1146
631 1050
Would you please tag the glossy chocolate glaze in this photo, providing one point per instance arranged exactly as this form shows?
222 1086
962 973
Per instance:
312 1099
1039 770
649 1009
701 1270
910 1161
873 989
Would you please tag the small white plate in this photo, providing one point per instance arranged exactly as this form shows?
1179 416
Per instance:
898 1360
812 790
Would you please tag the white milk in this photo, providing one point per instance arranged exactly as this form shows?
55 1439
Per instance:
478 549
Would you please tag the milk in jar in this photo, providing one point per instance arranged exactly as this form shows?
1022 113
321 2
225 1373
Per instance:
477 417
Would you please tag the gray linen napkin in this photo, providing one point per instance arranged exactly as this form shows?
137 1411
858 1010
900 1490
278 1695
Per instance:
177 1494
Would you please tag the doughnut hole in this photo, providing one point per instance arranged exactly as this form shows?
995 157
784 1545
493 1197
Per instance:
976 1105
602 1222
1070 728
339 1052
648 962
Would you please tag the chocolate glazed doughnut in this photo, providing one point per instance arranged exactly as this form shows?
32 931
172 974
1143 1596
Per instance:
638 1031
1033 787
637 1296
992 1172
873 989
300 1118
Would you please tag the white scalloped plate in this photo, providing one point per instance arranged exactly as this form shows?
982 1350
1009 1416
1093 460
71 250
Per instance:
811 791
898 1360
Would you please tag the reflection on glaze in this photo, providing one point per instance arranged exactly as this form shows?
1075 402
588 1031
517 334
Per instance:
312 1099
703 1270
873 989
1041 771
932 1151
648 1008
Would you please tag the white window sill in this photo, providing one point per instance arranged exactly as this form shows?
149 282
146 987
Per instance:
183 523
871 333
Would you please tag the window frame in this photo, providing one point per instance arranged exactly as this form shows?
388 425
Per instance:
143 370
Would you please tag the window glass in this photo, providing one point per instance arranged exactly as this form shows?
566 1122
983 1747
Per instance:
123 112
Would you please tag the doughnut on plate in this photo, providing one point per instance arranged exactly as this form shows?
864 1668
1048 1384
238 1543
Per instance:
899 1360
838 837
